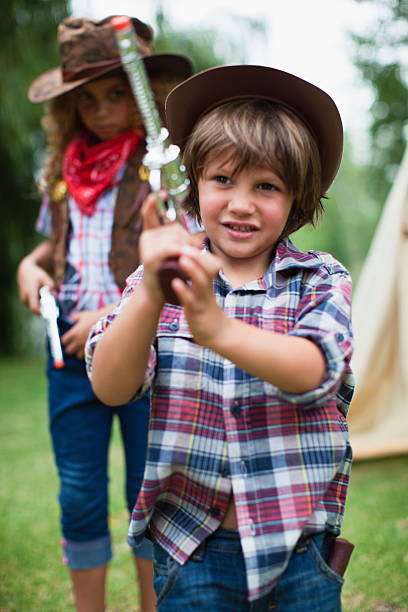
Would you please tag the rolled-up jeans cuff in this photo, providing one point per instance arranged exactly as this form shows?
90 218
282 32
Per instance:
87 555
144 550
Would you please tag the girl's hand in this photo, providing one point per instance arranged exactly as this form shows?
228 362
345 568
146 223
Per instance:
201 310
30 278
75 338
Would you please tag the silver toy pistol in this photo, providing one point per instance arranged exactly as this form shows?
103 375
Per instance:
49 312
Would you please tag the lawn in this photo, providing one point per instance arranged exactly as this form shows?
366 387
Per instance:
33 579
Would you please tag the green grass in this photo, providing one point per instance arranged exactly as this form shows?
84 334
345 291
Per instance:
376 521
32 578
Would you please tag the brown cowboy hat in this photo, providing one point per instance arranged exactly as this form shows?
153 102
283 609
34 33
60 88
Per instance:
88 49
215 86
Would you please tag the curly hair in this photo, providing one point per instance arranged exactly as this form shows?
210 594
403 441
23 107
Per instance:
259 133
61 124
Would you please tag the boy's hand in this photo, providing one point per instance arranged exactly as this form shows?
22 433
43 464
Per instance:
159 242
201 310
30 278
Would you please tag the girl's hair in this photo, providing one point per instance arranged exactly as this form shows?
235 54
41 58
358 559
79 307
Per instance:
62 124
259 133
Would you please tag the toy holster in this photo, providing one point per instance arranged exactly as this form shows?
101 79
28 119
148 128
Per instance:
340 555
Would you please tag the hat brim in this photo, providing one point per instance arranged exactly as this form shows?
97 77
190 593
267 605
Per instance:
202 92
50 84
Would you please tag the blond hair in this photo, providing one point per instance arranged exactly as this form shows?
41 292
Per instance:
62 124
259 133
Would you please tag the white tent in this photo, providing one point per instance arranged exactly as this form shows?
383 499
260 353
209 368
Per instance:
378 415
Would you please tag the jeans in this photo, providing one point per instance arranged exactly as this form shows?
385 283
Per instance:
80 427
213 579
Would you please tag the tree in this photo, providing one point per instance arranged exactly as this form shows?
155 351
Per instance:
350 216
208 47
28 46
380 55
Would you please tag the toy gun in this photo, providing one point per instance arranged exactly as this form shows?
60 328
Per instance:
49 312
163 160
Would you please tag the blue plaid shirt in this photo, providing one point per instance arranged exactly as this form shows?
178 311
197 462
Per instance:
216 430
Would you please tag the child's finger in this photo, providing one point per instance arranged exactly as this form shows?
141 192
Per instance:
209 262
149 211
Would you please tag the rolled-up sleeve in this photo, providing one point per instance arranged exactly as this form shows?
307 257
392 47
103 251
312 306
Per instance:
43 221
324 317
103 323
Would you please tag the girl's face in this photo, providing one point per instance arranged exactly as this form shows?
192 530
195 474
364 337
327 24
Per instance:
106 106
244 216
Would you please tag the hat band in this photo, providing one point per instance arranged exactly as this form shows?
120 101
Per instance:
88 70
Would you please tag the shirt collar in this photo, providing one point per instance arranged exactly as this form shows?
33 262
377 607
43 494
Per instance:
287 256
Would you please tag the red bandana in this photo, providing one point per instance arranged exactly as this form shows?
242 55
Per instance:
89 170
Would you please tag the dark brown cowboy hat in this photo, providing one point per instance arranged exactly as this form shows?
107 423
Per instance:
215 86
88 50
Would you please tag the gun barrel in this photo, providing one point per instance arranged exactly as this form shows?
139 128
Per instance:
136 72
161 155
162 159
50 312
55 343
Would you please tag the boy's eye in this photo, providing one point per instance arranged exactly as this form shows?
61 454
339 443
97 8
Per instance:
267 187
219 178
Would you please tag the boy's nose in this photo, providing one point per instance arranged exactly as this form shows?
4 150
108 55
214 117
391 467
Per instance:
241 204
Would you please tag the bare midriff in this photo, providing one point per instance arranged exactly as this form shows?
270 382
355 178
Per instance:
230 519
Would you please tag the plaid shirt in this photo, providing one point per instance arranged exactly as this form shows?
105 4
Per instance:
88 283
216 430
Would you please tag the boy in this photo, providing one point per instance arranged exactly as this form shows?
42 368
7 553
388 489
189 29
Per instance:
248 460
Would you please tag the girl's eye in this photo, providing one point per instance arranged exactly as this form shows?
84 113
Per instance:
117 93
84 96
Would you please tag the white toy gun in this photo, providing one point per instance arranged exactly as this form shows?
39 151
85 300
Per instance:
49 312
163 160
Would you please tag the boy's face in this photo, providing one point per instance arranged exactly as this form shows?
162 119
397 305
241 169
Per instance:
106 106
244 215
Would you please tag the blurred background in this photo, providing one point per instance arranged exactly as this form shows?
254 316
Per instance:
357 51
354 49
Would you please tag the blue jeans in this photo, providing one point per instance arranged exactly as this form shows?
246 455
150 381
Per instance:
213 579
80 427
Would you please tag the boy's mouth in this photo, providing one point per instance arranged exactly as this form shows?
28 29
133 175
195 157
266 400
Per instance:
240 227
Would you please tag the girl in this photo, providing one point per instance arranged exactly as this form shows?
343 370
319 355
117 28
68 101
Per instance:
90 215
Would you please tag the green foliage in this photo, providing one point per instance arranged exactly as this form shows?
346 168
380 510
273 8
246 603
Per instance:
349 220
380 56
32 577
207 47
28 47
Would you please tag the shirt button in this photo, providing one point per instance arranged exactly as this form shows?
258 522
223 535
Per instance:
339 337
244 470
235 409
174 326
